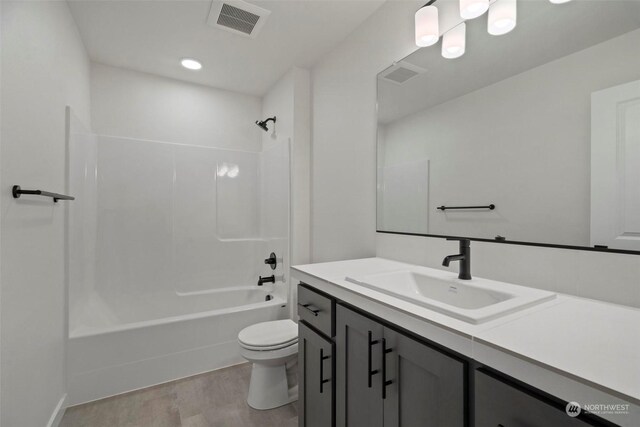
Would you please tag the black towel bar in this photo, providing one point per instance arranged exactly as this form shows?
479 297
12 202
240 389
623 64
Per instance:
17 192
446 208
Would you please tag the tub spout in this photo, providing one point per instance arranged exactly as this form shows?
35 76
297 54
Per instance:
267 279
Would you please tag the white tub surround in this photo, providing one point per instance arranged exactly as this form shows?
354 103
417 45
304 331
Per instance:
166 245
573 348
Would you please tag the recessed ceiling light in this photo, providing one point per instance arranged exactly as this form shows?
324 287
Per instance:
191 64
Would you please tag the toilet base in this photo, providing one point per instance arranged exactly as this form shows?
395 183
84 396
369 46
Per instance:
269 387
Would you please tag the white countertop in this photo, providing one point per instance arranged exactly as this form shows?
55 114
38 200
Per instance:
588 342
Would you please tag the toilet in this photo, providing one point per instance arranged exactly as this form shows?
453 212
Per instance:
272 347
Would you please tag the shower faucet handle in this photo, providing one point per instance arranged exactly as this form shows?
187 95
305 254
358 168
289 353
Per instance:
272 261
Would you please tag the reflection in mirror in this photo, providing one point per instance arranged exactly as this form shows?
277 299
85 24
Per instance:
543 122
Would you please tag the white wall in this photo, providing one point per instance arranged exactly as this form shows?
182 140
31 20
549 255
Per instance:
139 105
542 116
344 132
44 68
344 179
290 101
1 26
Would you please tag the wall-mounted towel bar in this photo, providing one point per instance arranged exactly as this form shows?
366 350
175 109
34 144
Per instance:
17 192
446 208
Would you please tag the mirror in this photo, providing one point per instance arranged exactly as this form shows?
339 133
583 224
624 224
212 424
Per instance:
542 123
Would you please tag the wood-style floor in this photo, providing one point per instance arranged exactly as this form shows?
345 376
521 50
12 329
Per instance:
214 399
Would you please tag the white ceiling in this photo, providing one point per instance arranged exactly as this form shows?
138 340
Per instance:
545 32
152 36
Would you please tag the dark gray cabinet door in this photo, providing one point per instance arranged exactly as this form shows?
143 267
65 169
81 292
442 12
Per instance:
425 388
499 404
315 362
358 370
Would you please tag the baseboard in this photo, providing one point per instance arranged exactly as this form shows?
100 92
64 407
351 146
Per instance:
58 413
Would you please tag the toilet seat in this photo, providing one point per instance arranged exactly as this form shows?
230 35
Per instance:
269 336
268 348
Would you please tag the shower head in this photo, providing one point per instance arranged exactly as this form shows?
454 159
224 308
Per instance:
263 124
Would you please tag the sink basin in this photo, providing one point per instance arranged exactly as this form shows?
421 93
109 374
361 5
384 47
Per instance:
458 294
474 301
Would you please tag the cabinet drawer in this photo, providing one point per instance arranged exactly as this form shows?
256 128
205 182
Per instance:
500 404
315 309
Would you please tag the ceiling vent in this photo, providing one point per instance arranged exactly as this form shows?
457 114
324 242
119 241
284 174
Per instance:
400 72
237 16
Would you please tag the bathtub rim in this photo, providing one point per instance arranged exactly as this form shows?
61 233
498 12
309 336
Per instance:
97 331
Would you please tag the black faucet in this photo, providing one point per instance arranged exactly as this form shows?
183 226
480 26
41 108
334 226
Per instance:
464 257
267 279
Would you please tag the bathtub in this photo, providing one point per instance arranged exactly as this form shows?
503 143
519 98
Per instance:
133 342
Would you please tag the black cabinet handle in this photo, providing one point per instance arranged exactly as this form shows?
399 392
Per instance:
370 372
385 382
310 308
322 359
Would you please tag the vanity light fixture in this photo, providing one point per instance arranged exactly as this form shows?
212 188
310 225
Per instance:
427 26
191 64
470 9
502 17
454 41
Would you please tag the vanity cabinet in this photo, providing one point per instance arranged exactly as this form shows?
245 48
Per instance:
315 364
498 403
356 370
316 358
385 378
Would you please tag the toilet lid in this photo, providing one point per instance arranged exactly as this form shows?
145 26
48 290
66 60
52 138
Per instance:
269 335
